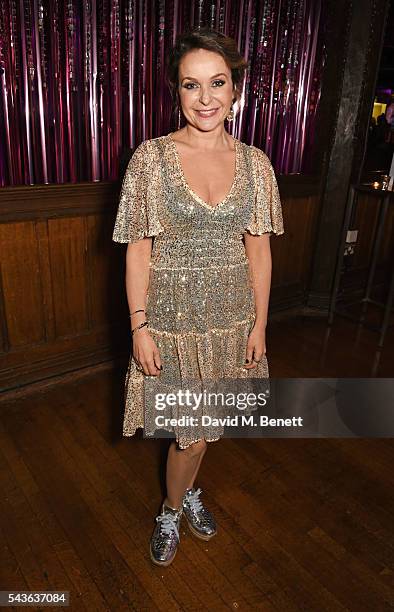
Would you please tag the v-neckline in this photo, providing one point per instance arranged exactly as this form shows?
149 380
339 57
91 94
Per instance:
186 184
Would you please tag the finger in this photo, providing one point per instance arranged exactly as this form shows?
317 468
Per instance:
157 359
153 371
248 358
257 356
145 367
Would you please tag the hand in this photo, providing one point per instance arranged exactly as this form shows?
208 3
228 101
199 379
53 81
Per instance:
255 348
145 352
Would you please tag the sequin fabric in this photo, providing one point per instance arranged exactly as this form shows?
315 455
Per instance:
200 303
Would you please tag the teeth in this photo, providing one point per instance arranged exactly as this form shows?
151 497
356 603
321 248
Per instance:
207 112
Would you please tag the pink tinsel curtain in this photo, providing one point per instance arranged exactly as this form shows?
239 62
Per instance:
81 81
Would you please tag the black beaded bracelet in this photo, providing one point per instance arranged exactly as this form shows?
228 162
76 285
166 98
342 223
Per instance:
139 310
139 326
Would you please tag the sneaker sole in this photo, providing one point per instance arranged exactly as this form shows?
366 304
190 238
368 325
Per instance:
197 533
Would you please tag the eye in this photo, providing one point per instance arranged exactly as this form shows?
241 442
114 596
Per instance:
219 82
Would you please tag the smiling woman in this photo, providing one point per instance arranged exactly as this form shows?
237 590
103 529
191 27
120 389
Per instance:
206 82
198 294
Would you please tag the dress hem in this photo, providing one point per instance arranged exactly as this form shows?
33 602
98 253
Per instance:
132 433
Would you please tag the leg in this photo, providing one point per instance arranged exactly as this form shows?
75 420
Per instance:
193 478
182 468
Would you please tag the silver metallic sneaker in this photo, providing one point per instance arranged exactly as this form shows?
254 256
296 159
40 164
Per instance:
165 537
199 519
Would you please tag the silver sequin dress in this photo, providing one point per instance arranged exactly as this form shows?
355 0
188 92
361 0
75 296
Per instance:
200 303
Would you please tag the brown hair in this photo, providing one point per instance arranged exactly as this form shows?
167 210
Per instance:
211 40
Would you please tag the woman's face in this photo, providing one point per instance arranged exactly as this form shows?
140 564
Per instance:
205 89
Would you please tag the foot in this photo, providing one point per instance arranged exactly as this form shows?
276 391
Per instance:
165 537
199 519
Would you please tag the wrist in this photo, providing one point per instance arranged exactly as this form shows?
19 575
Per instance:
140 331
137 317
139 326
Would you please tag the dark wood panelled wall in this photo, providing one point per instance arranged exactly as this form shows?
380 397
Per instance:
62 297
61 285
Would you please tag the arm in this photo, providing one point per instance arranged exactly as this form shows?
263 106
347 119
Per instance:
266 220
145 351
258 251
137 220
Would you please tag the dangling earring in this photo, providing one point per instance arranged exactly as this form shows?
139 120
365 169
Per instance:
178 106
230 115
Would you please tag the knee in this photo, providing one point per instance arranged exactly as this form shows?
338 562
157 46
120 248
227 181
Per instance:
196 449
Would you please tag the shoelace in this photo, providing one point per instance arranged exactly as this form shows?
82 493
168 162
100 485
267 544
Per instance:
194 500
168 524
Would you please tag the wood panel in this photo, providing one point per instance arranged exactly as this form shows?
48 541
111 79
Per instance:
368 207
292 253
22 290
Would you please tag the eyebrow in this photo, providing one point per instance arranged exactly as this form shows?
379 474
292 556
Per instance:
215 75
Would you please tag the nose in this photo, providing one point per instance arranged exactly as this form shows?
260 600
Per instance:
205 96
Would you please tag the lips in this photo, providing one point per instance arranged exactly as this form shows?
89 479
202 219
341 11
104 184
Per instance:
207 113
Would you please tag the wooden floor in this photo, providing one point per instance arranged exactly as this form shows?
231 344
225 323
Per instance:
303 524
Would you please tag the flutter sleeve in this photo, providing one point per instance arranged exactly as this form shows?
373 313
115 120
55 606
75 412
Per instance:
138 215
266 209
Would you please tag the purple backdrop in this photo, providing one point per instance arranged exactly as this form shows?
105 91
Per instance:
83 80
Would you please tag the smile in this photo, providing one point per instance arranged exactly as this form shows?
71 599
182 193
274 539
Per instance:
207 113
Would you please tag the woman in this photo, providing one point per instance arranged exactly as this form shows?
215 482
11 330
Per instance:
198 293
